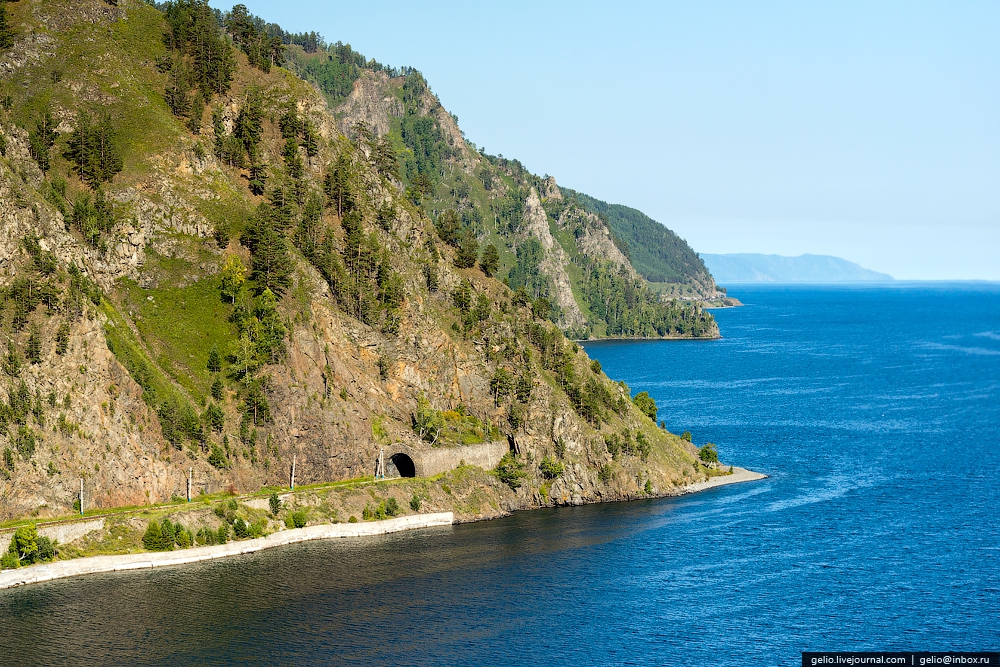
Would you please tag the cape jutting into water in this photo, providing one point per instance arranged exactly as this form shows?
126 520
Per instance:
875 412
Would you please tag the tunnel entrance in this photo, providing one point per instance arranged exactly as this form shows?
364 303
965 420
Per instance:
400 465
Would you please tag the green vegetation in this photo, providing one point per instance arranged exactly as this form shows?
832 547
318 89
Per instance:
7 33
165 536
658 254
550 468
385 509
510 470
708 453
27 547
628 444
630 309
450 427
93 150
646 404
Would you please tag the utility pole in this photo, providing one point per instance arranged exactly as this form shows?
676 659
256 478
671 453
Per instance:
293 472
190 474
81 496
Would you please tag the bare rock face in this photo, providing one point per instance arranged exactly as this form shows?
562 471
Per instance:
536 224
371 102
550 190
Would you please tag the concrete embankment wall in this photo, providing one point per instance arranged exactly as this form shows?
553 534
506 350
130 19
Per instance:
93 565
486 455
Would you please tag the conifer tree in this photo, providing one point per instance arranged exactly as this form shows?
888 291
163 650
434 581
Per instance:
62 338
93 150
33 348
335 185
214 360
41 138
490 260
7 33
270 264
176 93
197 111
12 361
468 250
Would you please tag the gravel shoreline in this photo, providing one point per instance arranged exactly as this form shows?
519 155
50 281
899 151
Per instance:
739 475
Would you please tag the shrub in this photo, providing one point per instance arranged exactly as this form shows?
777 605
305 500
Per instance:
415 502
241 528
510 470
299 518
392 507
153 538
353 519
218 457
708 453
25 544
367 514
551 468
275 503
222 534
206 536
9 561
648 488
686 436
605 473
642 445
183 537
560 447
646 404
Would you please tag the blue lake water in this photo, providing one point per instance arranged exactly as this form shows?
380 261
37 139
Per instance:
875 411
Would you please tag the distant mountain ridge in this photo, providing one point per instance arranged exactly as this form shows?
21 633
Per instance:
757 268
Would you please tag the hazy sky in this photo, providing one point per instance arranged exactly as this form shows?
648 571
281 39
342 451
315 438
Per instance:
865 130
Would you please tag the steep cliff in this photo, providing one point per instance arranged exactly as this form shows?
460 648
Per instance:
203 274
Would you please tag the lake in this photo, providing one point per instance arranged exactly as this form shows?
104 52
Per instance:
875 412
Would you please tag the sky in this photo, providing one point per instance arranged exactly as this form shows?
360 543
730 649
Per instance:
866 130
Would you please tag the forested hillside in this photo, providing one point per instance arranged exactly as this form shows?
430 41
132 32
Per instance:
659 255
207 273
572 251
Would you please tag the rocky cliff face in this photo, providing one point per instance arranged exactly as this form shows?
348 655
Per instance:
521 205
121 393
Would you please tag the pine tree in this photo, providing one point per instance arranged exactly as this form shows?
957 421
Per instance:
33 349
270 263
490 260
335 185
41 139
310 139
214 360
93 150
7 33
176 93
12 360
197 111
62 338
468 250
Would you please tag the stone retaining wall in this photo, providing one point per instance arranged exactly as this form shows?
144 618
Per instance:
60 532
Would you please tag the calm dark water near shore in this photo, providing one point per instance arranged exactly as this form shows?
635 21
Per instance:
876 411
